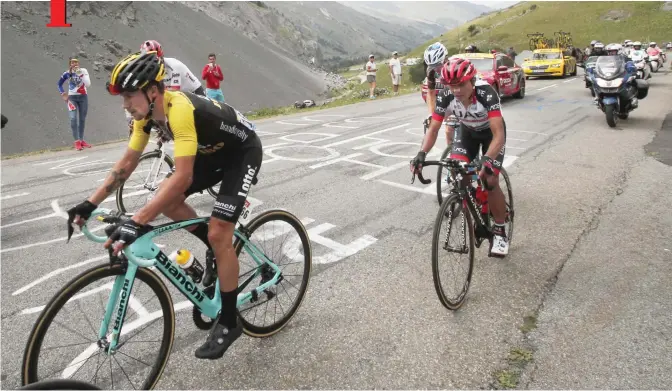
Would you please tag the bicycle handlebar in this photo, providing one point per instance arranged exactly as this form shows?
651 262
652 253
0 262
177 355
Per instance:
96 213
462 166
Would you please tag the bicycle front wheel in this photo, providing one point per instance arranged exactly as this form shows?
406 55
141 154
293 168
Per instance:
147 176
81 353
457 241
271 227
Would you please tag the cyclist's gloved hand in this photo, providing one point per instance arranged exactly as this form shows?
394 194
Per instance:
417 162
79 214
125 234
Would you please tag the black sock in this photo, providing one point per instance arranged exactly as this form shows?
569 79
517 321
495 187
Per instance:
228 314
201 232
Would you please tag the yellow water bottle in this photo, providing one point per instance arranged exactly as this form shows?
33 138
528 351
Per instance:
187 262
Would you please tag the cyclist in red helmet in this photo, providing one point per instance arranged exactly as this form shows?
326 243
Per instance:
481 126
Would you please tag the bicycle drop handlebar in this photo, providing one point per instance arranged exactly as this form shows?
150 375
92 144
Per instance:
462 166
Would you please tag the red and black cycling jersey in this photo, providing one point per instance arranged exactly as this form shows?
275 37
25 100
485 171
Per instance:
485 104
433 77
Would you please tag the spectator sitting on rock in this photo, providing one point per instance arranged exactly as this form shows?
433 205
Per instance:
371 75
77 100
395 72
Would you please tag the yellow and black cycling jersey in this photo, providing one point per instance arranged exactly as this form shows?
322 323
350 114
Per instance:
197 125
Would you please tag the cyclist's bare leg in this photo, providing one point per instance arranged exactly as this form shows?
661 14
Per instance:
450 132
496 199
220 234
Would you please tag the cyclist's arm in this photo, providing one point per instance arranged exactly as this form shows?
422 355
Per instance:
431 86
181 119
120 172
442 103
492 104
125 166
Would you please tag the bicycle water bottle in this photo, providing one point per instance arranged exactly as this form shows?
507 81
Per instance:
482 198
187 262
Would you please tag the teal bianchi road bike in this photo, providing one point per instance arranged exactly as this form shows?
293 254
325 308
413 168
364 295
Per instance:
138 264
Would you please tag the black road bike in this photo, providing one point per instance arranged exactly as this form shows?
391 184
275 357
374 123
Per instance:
464 206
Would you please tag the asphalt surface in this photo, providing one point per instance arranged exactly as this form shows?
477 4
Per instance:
371 318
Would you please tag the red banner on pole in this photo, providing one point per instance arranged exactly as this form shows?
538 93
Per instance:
58 14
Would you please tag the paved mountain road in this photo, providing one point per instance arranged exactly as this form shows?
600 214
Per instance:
371 318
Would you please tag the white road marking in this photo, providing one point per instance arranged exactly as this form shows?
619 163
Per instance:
57 272
365 135
57 213
6 197
62 239
570 80
525 131
543 88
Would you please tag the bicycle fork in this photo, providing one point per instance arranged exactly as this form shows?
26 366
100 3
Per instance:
116 307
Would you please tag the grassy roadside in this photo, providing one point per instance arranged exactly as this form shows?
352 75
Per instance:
353 92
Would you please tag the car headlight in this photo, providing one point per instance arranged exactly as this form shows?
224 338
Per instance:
609 83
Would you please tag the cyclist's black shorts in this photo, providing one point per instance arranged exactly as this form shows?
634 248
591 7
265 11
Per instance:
236 170
466 143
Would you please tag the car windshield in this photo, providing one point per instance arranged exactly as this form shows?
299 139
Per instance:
547 56
482 64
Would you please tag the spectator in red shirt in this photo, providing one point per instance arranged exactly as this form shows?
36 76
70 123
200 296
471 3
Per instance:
212 74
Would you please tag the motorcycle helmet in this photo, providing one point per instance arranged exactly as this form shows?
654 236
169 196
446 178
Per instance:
613 49
652 45
592 43
435 54
637 45
599 46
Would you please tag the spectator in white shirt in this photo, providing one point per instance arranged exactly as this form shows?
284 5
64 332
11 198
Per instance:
395 72
371 75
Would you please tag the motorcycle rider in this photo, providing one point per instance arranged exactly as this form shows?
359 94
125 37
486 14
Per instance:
654 50
598 49
615 49
471 49
638 53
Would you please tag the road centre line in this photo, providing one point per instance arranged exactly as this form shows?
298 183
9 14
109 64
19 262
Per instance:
543 88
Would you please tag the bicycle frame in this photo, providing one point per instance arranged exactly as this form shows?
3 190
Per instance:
145 253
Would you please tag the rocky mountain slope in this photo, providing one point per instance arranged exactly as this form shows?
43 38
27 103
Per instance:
442 15
35 56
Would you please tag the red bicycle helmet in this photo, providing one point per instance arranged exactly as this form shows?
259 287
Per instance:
457 70
152 46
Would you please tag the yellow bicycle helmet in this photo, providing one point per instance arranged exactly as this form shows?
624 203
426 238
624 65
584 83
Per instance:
136 71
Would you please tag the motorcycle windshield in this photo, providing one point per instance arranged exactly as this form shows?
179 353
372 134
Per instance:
610 67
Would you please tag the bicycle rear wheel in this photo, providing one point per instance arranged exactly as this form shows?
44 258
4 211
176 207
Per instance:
75 291
441 173
452 212
270 225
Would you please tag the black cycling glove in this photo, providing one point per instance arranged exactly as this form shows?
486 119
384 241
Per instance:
129 231
83 210
418 160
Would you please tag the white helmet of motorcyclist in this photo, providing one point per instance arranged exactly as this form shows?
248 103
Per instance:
599 46
652 44
637 45
613 49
